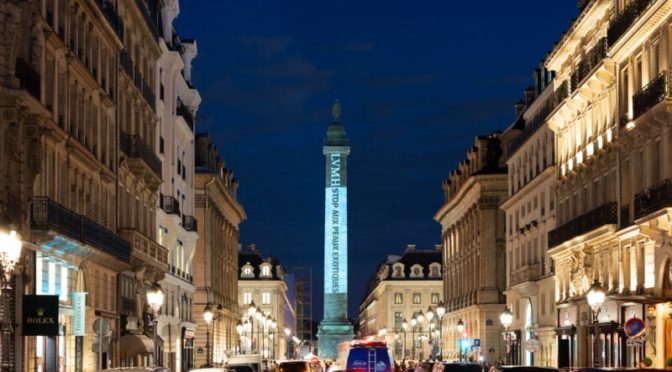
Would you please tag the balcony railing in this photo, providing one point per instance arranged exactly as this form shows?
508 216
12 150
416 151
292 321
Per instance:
170 205
28 77
653 93
526 273
184 111
653 199
189 223
623 20
589 62
135 75
135 147
145 247
48 214
149 16
112 17
603 215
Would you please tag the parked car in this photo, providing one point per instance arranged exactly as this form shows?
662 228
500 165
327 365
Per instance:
457 367
294 366
245 363
364 353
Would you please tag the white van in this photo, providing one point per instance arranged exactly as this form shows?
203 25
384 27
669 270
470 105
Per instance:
245 363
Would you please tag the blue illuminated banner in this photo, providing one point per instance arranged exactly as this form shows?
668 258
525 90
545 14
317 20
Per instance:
336 240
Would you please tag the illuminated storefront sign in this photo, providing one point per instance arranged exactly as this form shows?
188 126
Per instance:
40 315
336 230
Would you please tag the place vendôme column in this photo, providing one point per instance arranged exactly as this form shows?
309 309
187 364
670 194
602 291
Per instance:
335 327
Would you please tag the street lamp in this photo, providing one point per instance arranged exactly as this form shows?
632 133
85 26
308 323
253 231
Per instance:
414 322
155 300
420 317
506 317
288 335
404 326
252 312
595 297
247 326
460 329
208 315
430 316
240 328
274 327
440 312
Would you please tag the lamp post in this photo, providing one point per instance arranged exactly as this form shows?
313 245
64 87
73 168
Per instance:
460 329
247 326
595 297
208 315
10 253
420 317
506 317
274 327
259 316
155 299
288 335
252 312
404 326
414 322
440 312
430 317
240 328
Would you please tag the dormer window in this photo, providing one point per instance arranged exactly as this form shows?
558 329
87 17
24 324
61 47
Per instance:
398 270
416 271
435 270
248 271
265 271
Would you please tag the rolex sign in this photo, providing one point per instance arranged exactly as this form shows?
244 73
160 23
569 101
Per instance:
40 315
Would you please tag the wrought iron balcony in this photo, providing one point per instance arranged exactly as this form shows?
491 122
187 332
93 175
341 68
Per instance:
526 273
28 77
149 16
184 111
135 147
654 198
623 20
48 214
189 223
605 214
110 13
653 93
592 59
170 205
146 249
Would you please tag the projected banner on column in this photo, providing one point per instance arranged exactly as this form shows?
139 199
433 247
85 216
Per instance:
336 240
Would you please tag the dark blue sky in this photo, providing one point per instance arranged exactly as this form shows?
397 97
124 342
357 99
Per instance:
417 81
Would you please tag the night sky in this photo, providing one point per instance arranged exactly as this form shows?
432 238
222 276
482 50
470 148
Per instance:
417 80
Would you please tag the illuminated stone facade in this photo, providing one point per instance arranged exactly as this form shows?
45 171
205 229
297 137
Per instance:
472 228
610 121
402 287
530 214
215 262
262 280
335 326
176 106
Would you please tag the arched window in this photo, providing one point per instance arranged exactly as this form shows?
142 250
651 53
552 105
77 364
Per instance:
247 271
435 270
265 270
398 270
416 271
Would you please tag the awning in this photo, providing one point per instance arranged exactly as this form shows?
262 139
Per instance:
136 344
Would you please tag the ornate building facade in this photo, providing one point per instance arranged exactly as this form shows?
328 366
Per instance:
78 87
176 105
611 141
402 288
262 286
215 261
473 233
530 214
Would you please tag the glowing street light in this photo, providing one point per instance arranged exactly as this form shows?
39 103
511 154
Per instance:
155 300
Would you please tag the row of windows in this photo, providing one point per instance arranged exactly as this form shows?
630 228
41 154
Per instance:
416 271
540 201
248 271
417 298
265 298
